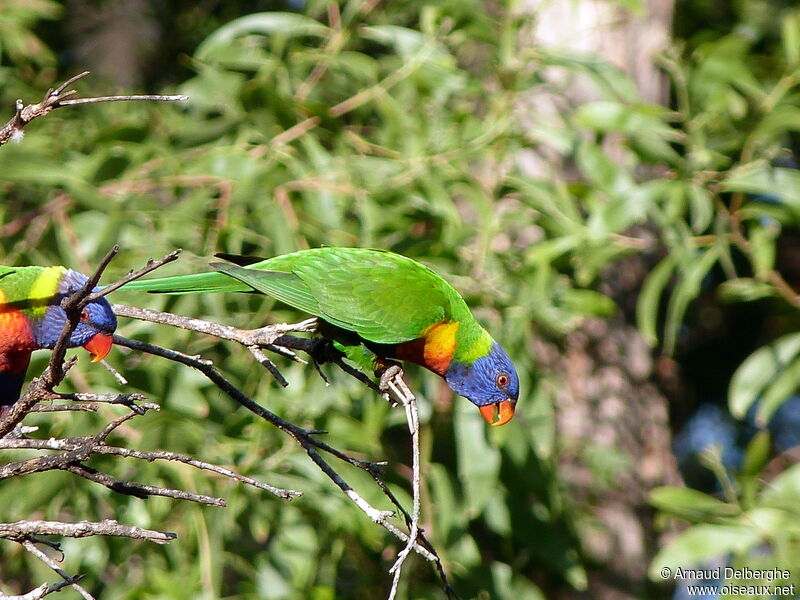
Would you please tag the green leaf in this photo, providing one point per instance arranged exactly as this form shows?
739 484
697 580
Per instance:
777 122
762 248
785 384
588 302
744 289
688 287
647 308
757 178
604 74
689 504
790 36
757 453
784 490
701 543
602 115
760 371
597 166
264 23
406 42
702 208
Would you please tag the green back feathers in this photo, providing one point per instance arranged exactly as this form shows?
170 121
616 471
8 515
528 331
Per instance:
384 297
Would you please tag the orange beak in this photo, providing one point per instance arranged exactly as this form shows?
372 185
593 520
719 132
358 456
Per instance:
498 413
99 345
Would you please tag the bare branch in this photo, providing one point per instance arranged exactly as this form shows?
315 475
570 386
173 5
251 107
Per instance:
125 98
63 408
71 444
38 390
265 337
14 129
139 490
268 365
22 530
44 589
31 547
401 390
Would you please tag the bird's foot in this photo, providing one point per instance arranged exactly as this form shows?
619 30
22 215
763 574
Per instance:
387 373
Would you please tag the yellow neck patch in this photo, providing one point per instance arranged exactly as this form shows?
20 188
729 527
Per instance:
440 345
44 287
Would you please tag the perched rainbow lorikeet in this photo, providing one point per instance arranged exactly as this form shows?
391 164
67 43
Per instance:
31 318
375 305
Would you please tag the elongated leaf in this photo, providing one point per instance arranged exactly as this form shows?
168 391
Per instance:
784 385
701 543
754 375
406 42
790 36
686 290
702 208
650 299
690 504
783 491
264 23
760 179
745 289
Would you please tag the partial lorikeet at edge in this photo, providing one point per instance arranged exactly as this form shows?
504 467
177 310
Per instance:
31 318
397 307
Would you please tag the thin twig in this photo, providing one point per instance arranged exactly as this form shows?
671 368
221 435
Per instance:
149 267
73 443
116 374
125 98
44 590
31 547
401 390
139 490
14 129
262 358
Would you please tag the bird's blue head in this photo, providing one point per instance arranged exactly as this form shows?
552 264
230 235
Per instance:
490 383
94 330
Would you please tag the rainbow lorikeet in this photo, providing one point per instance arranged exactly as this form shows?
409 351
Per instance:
31 318
376 304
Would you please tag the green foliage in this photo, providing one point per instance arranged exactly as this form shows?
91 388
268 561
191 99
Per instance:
755 526
405 127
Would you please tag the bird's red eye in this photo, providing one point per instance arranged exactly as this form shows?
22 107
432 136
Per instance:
502 380
85 315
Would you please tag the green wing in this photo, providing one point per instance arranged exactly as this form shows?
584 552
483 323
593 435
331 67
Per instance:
382 296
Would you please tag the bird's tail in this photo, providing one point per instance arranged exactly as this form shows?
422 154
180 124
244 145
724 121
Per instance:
199 283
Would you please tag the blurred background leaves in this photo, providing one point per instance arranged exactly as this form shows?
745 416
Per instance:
630 245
